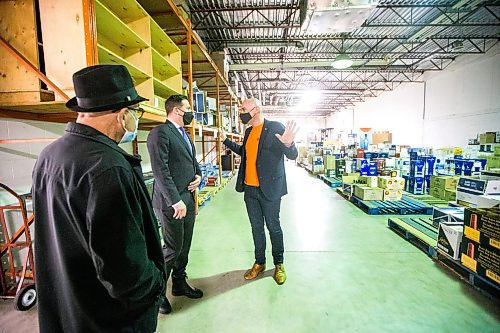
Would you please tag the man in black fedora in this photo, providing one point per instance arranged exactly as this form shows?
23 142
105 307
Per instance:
177 175
99 263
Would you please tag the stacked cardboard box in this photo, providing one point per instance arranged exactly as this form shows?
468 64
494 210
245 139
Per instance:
381 137
488 137
340 167
369 181
450 224
480 249
478 193
329 161
368 193
393 187
444 187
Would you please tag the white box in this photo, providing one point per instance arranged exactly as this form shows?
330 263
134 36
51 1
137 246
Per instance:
478 200
449 238
393 195
391 183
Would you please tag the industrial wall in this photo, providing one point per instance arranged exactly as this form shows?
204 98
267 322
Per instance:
447 109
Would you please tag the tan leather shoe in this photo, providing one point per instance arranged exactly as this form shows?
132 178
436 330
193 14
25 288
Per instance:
253 272
279 274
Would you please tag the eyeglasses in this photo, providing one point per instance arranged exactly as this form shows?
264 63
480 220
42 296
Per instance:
138 111
242 109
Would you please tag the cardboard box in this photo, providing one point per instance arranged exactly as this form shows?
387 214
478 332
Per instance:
330 173
329 162
368 193
350 179
417 168
447 215
443 194
391 183
393 195
303 152
483 260
370 181
488 137
381 137
416 185
477 201
449 239
318 168
444 182
380 163
483 226
480 186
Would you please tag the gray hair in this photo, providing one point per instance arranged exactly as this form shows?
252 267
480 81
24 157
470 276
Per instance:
257 103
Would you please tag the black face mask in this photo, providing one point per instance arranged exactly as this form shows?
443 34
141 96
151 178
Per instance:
246 117
187 118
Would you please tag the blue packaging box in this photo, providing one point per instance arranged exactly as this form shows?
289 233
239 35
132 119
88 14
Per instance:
468 165
427 181
417 168
370 155
383 155
372 169
416 185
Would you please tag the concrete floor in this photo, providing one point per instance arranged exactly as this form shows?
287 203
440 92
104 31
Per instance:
347 272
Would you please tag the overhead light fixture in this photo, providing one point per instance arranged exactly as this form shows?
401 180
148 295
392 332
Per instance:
342 61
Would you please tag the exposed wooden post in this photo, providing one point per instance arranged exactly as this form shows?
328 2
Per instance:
90 27
219 126
190 78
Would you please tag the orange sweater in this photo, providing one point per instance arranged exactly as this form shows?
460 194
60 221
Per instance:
251 149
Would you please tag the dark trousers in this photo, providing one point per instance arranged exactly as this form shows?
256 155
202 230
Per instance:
262 210
177 236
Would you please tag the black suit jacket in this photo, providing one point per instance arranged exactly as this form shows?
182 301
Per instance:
270 160
174 165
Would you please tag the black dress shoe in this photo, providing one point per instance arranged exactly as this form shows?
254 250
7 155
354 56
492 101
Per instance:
180 287
165 307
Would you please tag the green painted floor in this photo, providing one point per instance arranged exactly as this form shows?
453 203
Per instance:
347 272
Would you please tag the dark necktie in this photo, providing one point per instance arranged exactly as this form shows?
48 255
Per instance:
184 135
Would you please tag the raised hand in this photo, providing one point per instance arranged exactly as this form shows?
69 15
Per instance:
222 134
288 136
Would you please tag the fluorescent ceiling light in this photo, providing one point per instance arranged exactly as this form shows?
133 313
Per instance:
342 61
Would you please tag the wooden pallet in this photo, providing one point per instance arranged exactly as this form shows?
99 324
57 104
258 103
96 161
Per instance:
479 283
331 181
403 207
429 200
417 231
345 194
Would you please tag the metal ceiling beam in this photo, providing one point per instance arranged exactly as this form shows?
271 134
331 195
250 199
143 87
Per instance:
242 8
251 26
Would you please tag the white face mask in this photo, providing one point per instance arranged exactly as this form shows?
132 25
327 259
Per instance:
130 136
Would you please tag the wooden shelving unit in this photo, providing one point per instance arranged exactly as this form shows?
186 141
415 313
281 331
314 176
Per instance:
157 54
115 32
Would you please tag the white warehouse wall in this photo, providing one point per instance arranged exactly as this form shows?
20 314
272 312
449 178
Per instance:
463 100
447 109
18 159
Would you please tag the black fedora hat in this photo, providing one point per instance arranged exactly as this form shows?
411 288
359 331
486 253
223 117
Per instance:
103 88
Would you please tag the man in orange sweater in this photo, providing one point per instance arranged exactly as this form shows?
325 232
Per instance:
262 178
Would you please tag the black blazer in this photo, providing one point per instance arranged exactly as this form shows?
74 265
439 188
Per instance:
270 160
174 165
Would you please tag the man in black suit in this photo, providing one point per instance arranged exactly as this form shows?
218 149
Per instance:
177 174
262 177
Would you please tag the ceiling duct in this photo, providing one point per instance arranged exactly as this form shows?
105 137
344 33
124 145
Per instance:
337 16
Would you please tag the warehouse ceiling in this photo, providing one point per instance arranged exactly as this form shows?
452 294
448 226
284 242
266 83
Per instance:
281 51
